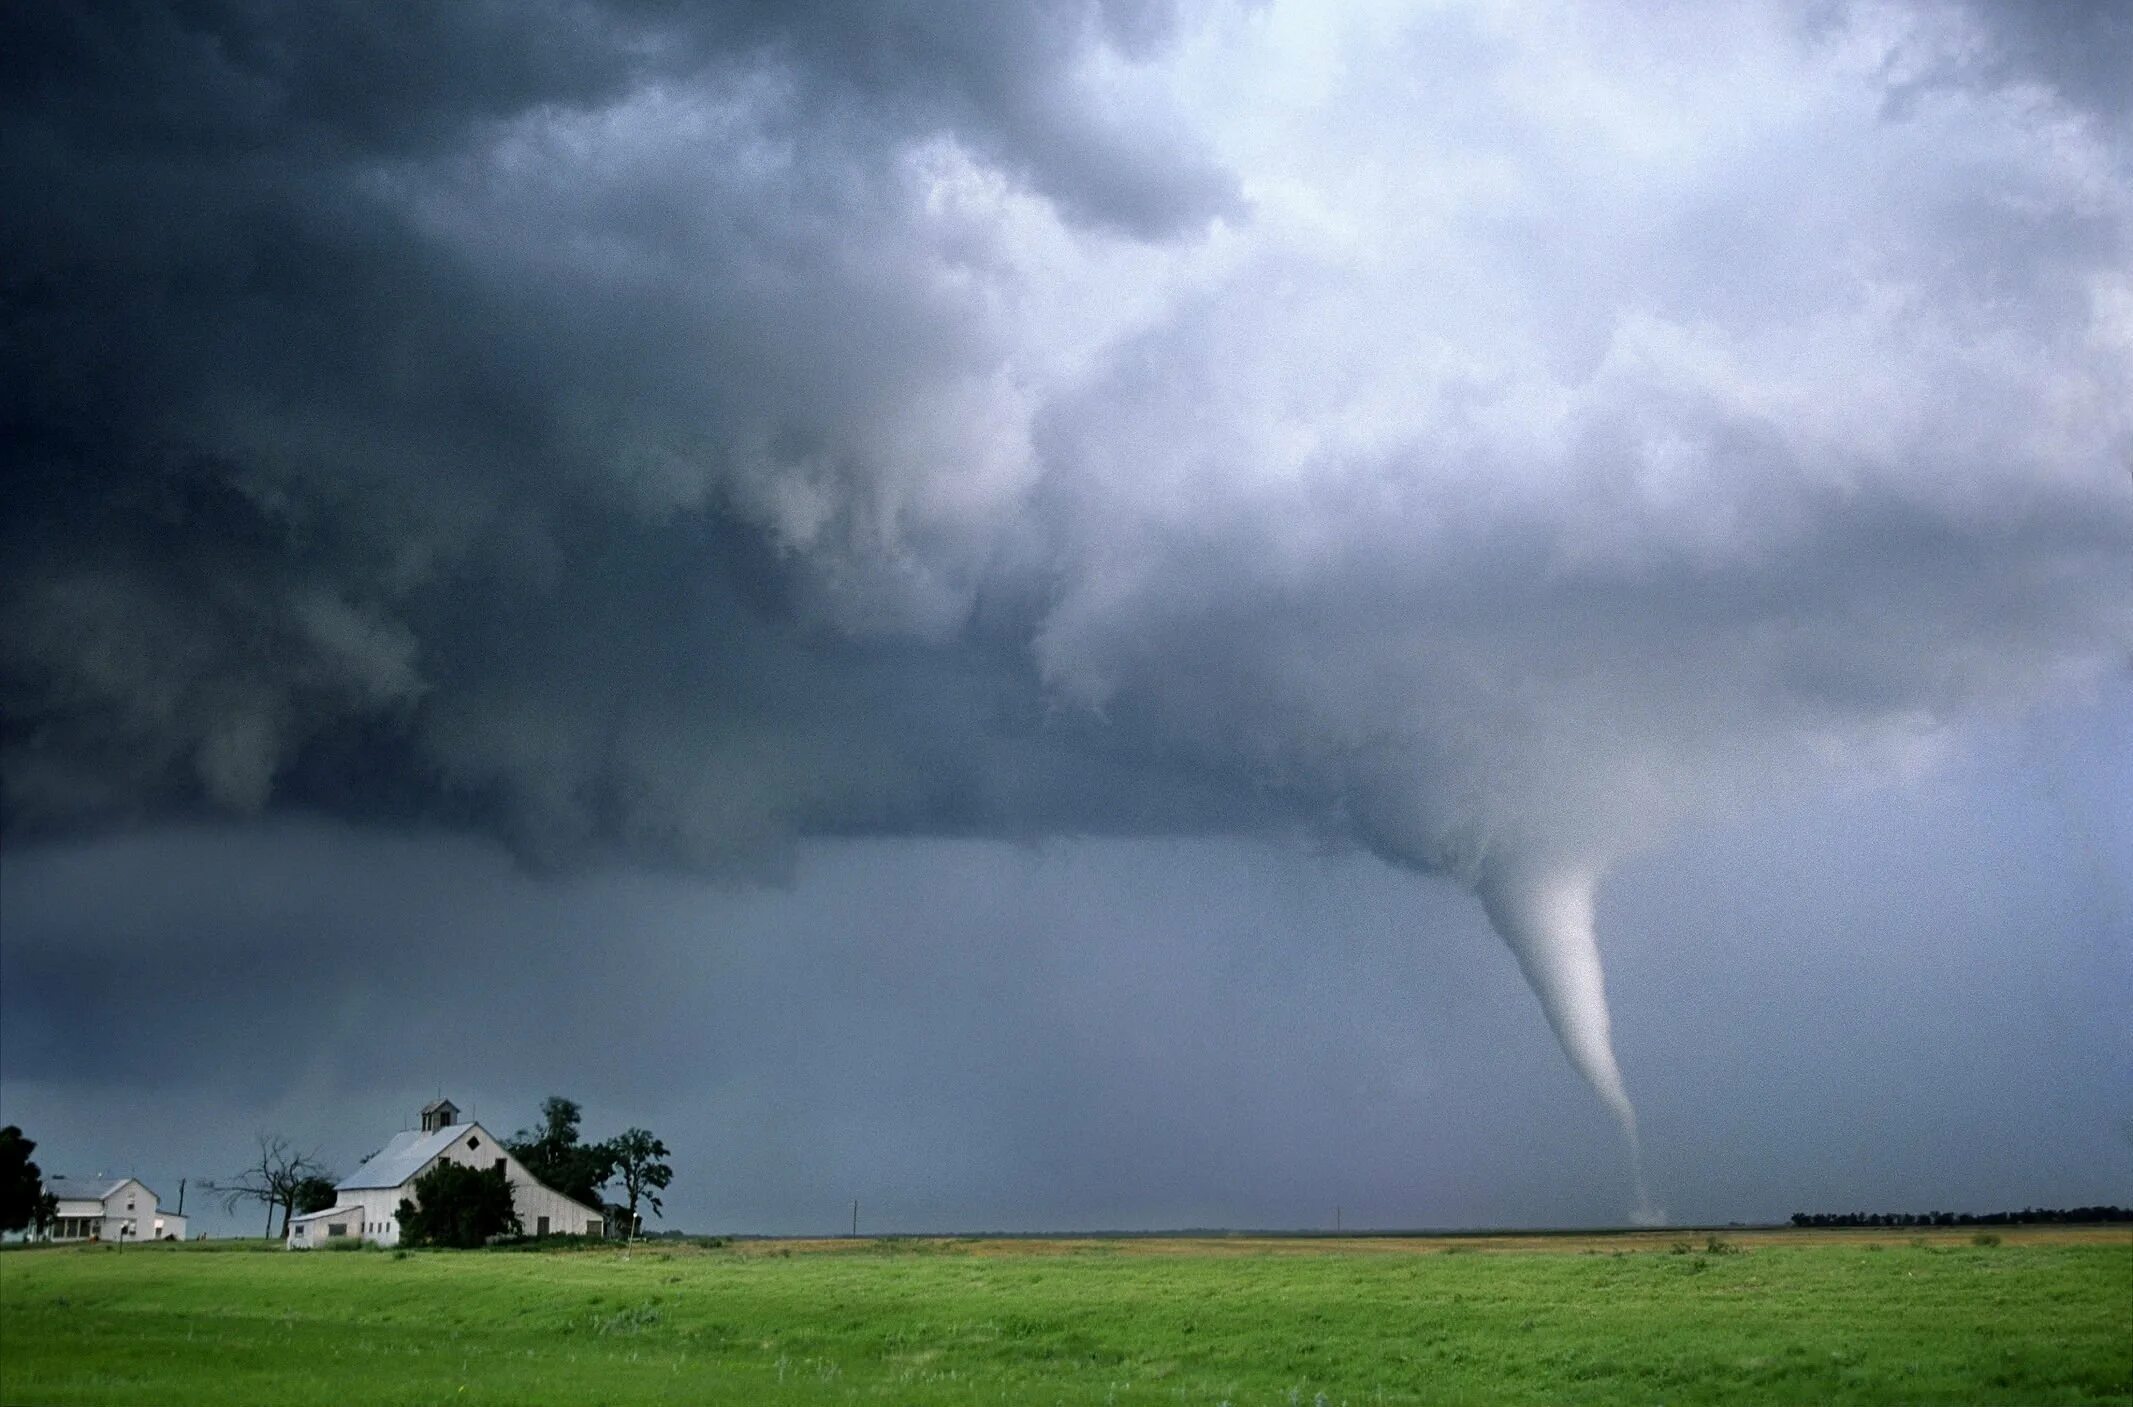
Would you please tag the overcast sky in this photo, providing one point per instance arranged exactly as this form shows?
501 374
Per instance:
1089 615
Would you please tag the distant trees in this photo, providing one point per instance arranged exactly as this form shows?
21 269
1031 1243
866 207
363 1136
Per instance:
24 1204
275 1178
639 1164
455 1205
2027 1216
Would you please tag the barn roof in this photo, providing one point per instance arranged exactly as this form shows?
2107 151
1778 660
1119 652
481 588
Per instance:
398 1161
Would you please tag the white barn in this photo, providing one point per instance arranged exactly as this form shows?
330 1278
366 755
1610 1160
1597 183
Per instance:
110 1209
367 1202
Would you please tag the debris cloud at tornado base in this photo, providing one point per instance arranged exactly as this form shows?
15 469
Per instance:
697 435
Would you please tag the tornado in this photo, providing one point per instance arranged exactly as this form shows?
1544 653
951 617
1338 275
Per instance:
1543 910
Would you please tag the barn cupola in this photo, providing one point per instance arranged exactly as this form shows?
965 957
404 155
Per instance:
439 1115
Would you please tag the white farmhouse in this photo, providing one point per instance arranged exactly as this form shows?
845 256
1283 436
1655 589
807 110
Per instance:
110 1209
367 1201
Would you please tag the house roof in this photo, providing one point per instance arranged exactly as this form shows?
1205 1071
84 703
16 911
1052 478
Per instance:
398 1161
84 1189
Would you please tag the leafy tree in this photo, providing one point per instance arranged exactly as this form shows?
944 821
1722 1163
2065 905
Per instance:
273 1178
639 1163
556 1154
314 1194
22 1193
455 1205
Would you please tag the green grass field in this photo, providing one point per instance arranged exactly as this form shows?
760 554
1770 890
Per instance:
1864 1317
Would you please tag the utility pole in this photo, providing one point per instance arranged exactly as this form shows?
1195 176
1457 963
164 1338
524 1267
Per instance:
181 1196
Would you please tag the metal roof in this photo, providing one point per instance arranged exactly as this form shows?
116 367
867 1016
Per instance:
85 1189
400 1160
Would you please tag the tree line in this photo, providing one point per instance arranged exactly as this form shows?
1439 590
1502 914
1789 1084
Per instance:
2026 1217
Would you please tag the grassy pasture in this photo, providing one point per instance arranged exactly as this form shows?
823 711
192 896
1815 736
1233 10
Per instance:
1854 1316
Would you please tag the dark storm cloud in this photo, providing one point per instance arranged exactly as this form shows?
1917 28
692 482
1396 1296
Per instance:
1002 78
342 472
372 380
349 82
649 434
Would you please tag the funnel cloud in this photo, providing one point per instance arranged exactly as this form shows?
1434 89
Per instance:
1544 912
1498 441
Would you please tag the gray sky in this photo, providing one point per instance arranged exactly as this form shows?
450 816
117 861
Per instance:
955 607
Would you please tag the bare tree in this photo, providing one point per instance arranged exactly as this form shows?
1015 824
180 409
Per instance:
277 1177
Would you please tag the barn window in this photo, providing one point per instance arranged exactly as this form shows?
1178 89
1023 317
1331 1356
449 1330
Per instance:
337 1228
499 1165
473 1143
